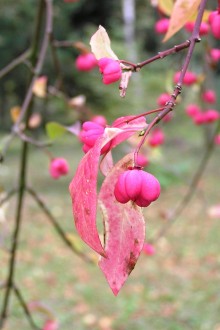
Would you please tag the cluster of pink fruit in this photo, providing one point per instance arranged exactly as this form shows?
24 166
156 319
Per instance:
109 68
200 117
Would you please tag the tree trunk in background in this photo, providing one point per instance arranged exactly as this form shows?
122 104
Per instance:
129 17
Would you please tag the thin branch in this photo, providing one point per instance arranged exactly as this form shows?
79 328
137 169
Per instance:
39 65
191 190
20 59
160 55
8 196
63 44
56 225
25 112
6 145
32 141
25 307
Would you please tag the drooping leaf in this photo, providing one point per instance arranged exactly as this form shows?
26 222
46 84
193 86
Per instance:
181 13
83 191
101 44
124 230
83 188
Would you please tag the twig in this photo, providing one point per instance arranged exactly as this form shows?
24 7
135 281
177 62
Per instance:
26 110
8 196
20 59
25 307
56 225
30 140
39 65
191 190
160 55
6 145
63 44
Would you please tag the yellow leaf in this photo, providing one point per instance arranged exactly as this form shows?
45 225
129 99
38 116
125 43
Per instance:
166 6
15 112
40 87
181 13
101 44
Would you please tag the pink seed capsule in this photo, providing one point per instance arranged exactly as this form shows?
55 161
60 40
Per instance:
86 62
58 167
138 186
110 70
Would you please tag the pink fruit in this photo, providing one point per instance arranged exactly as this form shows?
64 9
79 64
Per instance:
86 62
215 54
199 118
110 70
58 167
91 131
148 249
142 160
204 28
214 19
138 186
156 138
101 120
192 110
189 78
217 139
163 99
50 325
211 115
209 96
162 25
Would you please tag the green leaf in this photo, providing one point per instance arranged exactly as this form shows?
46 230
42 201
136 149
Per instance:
55 130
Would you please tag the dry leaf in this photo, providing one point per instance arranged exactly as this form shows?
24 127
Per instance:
15 112
101 44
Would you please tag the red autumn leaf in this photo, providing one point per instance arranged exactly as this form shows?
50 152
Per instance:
124 230
83 187
83 191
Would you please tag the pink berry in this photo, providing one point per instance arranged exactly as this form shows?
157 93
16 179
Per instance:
162 25
199 118
86 62
156 138
212 15
189 78
211 115
192 110
101 120
138 186
142 160
91 131
204 28
168 117
217 139
215 54
163 99
148 249
209 96
58 167
215 24
110 69
50 325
